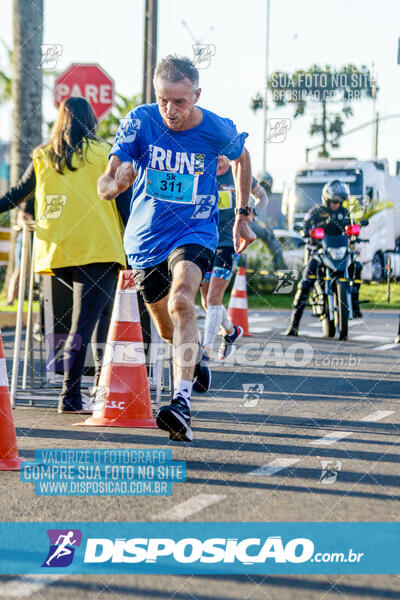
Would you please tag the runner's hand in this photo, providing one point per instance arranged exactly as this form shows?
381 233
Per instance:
243 236
111 184
24 218
124 176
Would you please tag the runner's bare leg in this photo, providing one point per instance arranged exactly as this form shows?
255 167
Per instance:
175 319
186 279
160 315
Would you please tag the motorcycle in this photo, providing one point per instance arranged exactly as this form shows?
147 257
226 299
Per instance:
331 296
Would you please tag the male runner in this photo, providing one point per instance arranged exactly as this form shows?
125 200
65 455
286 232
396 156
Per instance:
216 282
169 150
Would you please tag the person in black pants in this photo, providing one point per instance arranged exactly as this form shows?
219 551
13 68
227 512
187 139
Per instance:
78 236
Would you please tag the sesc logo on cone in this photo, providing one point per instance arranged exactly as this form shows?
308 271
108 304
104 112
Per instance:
190 550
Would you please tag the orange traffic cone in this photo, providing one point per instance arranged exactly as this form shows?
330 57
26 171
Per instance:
123 397
9 460
238 309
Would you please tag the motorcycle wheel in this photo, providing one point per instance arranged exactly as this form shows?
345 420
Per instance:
342 313
328 326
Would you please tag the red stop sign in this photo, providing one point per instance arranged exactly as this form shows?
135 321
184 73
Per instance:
86 81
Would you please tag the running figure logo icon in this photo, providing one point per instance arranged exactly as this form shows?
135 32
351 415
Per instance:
54 206
204 206
203 54
278 130
329 471
50 55
61 551
286 282
251 394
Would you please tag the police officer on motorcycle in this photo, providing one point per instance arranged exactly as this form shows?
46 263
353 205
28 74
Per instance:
333 218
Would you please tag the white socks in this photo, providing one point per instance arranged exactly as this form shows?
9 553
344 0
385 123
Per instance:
184 388
226 323
212 324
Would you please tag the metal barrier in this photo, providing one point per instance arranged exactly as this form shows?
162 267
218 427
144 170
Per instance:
45 386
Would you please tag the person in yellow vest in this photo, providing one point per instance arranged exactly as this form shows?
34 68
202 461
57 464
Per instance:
78 235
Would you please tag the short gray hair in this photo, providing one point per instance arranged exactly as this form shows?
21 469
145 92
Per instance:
174 68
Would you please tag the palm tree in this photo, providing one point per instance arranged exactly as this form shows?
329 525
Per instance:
26 91
26 83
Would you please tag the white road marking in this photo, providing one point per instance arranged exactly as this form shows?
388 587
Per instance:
370 338
387 347
24 587
356 322
378 415
274 466
330 438
260 319
259 329
189 507
351 323
310 334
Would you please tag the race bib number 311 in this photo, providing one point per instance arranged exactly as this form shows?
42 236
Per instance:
171 187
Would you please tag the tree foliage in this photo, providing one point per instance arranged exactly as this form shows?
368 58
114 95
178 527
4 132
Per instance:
109 126
5 77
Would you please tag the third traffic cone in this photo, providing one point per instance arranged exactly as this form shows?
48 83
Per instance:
123 397
238 309
9 460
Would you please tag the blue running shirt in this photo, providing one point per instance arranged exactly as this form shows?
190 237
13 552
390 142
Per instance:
174 197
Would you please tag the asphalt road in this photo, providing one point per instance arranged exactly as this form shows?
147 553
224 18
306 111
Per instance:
276 414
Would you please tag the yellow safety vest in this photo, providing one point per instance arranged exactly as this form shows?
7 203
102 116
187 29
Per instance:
73 225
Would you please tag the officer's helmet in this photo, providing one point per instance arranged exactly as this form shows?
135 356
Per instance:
334 191
266 181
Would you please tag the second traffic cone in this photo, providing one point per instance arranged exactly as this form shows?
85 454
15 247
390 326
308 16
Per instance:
9 459
123 396
238 308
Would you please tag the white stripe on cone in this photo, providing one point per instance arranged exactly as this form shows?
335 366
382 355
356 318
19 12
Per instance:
124 353
240 283
3 373
238 303
126 307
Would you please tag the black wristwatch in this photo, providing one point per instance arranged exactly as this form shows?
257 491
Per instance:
242 211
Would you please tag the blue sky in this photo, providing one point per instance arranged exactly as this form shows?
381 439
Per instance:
302 33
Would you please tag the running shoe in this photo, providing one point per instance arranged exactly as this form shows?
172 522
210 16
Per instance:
202 375
175 419
227 346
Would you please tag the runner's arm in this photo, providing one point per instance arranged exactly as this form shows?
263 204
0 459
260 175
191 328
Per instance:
261 198
117 178
241 169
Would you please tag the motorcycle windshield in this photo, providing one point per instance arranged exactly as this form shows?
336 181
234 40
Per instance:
334 241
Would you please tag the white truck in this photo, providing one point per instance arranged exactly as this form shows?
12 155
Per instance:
375 195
